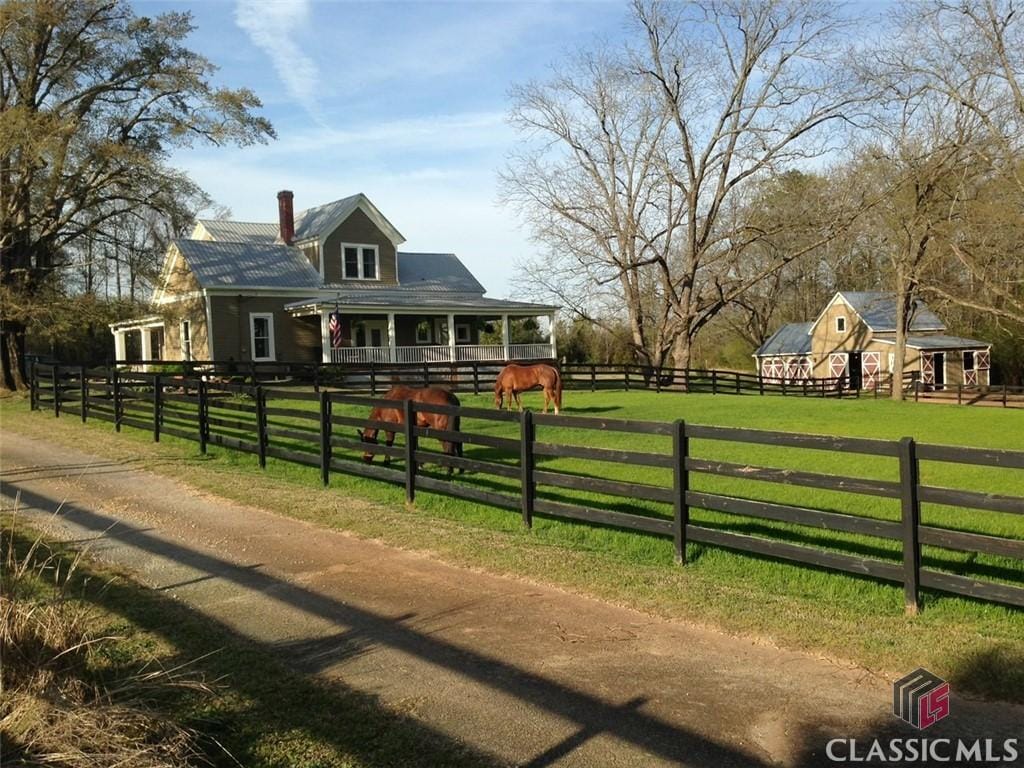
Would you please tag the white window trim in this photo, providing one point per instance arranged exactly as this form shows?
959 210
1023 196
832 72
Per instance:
359 261
253 316
459 328
841 320
430 332
185 340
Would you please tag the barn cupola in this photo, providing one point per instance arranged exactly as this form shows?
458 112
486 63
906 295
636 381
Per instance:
286 216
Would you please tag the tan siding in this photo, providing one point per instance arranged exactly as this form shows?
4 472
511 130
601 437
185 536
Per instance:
313 255
193 310
180 278
294 339
826 340
358 228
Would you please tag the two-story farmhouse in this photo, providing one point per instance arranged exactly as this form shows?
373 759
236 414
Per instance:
326 284
854 337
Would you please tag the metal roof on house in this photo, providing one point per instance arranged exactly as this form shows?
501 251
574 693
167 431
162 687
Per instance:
940 341
878 310
790 339
436 272
240 231
396 298
218 264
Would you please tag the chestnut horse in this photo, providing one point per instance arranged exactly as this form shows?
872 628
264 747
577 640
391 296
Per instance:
396 416
515 378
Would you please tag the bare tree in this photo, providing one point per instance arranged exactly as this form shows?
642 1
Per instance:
589 181
751 89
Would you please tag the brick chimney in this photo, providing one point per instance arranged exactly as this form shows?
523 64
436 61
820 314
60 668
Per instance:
286 215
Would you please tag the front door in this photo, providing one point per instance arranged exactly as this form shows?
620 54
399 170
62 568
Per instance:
371 333
855 370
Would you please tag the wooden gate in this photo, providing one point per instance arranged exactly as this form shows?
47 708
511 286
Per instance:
982 363
871 363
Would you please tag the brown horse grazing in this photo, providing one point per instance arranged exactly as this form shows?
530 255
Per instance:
515 379
439 421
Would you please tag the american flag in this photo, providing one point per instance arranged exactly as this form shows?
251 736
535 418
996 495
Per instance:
334 326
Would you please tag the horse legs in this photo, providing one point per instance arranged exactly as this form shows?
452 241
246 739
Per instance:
389 442
519 402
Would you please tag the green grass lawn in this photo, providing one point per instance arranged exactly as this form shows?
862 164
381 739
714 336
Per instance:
859 619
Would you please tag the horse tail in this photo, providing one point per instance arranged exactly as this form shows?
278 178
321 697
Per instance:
558 388
456 425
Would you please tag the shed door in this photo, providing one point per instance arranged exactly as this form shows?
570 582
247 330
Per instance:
837 364
982 364
927 368
871 364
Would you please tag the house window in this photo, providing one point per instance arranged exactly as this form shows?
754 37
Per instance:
969 360
186 340
463 333
424 332
156 343
840 325
360 262
261 330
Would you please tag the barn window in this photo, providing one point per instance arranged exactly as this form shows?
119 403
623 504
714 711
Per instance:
969 360
840 325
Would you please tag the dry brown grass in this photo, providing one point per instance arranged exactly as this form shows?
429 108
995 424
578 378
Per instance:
63 702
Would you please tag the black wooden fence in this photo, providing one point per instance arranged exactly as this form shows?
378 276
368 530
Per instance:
304 427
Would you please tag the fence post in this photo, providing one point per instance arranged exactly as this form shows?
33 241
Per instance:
681 485
84 382
55 382
526 438
738 383
33 374
657 378
373 379
760 384
783 380
411 444
625 368
593 377
202 416
426 375
261 427
325 438
959 394
115 383
714 381
917 390
476 378
1004 395
911 515
156 407
316 377
252 371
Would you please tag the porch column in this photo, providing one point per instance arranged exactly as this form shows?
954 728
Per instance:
325 336
451 336
551 336
392 338
505 336
119 345
147 346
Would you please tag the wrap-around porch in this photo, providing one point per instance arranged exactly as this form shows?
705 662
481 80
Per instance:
414 336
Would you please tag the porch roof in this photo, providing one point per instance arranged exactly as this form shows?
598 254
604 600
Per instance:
410 301
940 341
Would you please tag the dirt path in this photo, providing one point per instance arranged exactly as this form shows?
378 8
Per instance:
525 673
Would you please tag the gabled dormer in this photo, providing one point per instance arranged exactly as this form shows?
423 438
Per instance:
348 241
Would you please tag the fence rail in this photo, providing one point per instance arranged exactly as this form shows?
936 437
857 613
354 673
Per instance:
310 428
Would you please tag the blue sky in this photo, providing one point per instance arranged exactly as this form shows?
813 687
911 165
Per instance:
405 102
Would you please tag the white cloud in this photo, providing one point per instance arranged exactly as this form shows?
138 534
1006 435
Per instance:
275 26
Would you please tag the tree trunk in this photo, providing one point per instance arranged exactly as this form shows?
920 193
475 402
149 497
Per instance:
12 356
900 352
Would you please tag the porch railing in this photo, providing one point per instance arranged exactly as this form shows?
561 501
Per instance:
441 353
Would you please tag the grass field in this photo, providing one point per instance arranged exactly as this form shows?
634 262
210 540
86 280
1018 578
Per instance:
980 647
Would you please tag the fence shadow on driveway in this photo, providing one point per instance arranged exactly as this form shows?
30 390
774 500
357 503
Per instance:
591 716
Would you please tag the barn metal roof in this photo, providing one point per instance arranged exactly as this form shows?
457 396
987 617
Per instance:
878 310
790 339
218 265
